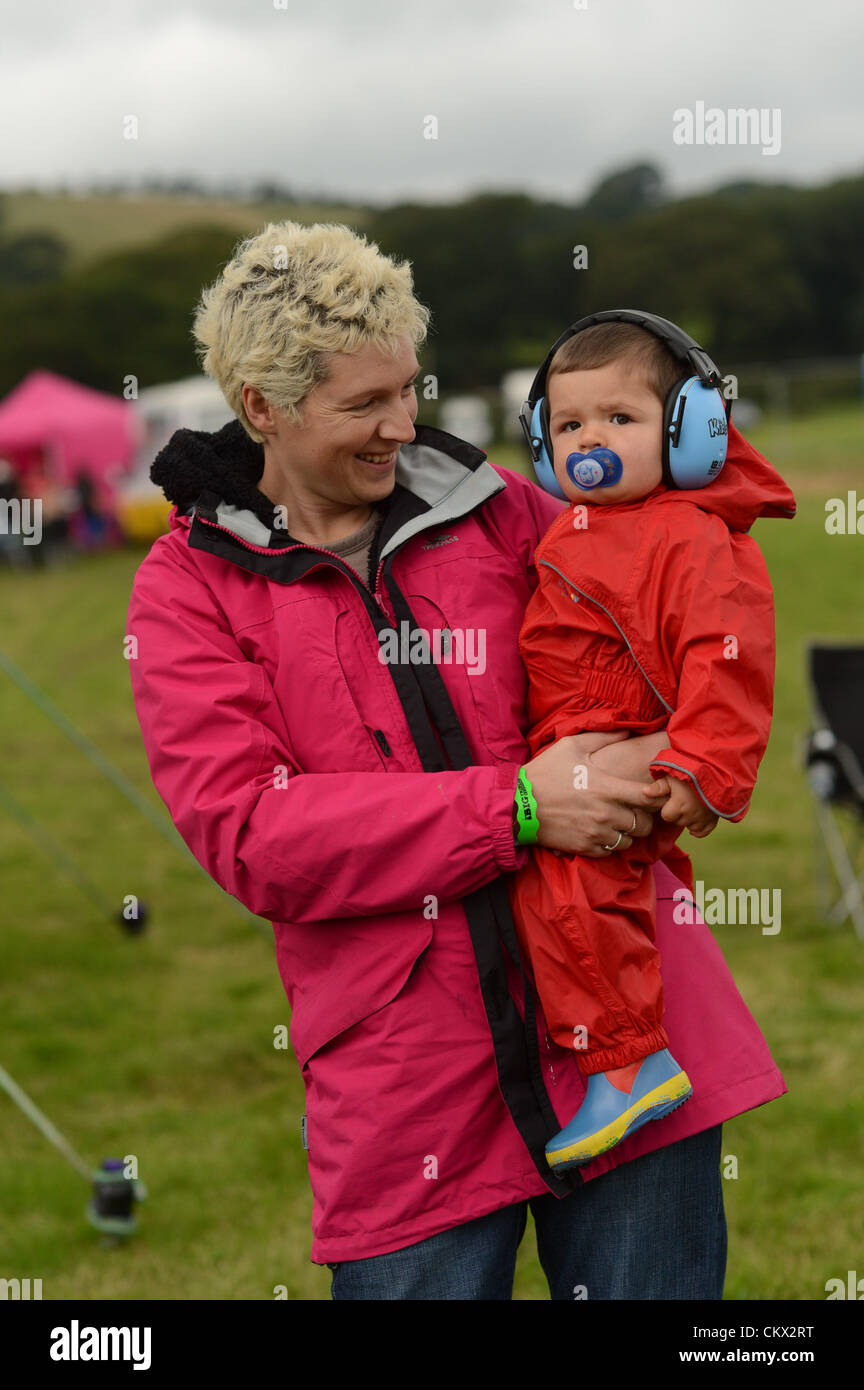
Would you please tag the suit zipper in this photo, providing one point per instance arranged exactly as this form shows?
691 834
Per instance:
624 636
548 1045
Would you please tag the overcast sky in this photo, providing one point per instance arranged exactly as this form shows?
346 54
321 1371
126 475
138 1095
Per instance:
331 96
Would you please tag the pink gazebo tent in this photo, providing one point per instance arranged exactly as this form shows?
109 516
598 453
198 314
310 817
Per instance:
51 424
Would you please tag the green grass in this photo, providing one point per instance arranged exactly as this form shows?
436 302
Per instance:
94 226
162 1046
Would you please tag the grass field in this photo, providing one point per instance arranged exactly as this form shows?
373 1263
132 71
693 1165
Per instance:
162 1046
94 226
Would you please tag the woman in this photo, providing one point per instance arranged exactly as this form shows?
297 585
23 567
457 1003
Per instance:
336 779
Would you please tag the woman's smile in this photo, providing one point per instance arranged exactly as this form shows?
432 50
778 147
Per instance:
381 461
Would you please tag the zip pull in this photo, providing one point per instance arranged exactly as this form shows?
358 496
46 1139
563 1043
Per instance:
382 740
379 595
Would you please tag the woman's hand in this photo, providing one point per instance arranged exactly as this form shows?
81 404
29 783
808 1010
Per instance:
581 808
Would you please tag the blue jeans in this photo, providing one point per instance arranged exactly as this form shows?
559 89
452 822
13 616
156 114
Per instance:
654 1228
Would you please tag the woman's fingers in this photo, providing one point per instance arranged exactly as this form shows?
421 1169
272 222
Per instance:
581 808
643 824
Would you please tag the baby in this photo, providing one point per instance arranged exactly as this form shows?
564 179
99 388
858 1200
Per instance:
653 611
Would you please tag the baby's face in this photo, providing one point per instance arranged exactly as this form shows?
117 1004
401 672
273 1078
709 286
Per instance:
609 407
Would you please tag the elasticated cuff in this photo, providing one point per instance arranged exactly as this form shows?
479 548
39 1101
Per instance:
508 854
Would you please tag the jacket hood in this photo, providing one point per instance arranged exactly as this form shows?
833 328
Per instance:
227 463
748 487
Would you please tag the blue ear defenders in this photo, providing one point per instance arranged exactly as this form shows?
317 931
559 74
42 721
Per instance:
695 415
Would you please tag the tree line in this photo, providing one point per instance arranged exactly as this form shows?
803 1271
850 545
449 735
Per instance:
757 272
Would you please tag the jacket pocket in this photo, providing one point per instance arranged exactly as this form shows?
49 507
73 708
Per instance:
368 965
470 672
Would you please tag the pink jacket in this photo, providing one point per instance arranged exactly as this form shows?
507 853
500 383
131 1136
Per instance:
364 808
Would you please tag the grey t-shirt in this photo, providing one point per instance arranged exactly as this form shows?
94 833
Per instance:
355 549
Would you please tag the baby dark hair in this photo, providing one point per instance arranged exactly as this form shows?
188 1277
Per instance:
611 342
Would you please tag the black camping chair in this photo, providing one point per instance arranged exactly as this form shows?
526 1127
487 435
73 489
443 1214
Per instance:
834 759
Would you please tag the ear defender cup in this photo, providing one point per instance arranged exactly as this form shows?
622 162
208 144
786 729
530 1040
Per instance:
533 424
695 414
695 434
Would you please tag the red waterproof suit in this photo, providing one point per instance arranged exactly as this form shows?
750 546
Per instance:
647 614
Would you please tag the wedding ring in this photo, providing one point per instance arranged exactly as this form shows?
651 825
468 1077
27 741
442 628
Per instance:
621 835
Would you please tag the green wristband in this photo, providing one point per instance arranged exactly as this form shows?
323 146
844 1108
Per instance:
526 811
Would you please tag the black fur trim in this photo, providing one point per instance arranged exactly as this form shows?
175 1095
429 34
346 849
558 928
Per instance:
227 463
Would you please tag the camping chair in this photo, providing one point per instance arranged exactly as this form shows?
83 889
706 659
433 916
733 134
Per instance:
834 759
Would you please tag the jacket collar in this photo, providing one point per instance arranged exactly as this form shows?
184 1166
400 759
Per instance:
438 478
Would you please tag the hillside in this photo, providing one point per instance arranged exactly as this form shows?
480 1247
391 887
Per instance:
94 226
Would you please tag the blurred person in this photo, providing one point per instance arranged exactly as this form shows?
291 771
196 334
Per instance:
55 502
88 526
10 536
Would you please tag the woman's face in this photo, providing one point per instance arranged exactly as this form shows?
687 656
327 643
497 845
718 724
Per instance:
344 449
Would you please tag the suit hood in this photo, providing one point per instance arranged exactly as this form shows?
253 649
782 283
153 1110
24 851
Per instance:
748 487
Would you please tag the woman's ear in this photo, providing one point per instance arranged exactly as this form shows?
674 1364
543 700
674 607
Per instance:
259 411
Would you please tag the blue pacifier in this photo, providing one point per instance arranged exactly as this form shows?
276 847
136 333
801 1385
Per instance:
598 468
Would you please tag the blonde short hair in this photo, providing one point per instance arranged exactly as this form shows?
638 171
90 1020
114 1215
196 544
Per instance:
290 297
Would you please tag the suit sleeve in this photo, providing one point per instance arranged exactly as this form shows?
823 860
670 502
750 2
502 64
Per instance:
717 627
292 846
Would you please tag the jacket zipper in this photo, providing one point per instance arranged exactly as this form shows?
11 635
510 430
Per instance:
286 549
599 605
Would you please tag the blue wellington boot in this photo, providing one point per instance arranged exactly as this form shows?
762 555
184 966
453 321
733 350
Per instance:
607 1115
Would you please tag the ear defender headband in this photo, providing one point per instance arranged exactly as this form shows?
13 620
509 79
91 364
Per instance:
695 416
